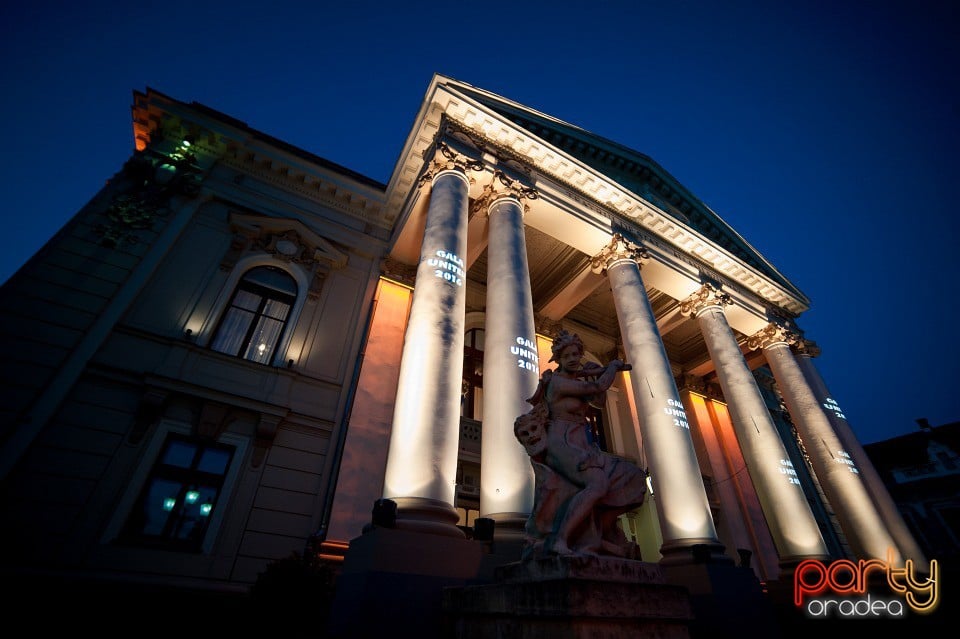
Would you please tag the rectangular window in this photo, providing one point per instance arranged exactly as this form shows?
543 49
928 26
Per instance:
180 495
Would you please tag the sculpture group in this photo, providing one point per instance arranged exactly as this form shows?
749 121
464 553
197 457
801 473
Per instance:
580 491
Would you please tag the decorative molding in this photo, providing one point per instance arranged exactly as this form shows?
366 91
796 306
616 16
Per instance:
398 271
545 326
286 240
154 179
707 296
446 159
772 333
500 186
807 347
619 248
148 413
267 428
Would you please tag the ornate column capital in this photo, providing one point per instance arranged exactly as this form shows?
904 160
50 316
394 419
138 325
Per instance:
807 347
707 296
771 334
446 159
502 186
619 248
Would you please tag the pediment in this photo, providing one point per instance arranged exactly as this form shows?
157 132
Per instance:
621 183
288 239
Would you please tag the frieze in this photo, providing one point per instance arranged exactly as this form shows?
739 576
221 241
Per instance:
316 190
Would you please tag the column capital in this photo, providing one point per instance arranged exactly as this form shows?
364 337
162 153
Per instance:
446 159
707 296
503 186
807 347
771 334
619 248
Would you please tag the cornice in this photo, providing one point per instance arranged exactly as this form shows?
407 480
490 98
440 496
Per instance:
217 138
509 140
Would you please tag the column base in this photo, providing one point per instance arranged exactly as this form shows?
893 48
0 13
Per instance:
431 516
693 551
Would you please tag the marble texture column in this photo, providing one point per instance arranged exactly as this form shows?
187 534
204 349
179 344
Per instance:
804 352
682 504
510 364
838 473
792 525
422 459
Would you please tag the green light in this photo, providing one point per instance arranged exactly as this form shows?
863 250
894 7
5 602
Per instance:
169 503
205 509
192 496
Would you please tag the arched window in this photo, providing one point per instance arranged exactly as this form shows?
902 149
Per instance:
256 317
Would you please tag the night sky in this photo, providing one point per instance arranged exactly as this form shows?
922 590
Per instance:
826 133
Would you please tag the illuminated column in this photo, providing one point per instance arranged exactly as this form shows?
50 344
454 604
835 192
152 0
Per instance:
838 473
792 524
805 352
682 505
510 364
422 459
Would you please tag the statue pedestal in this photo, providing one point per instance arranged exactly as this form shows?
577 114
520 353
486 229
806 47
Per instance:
576 597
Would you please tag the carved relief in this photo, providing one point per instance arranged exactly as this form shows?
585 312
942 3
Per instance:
546 326
807 347
703 298
285 240
445 159
502 186
694 383
267 428
619 248
771 334
398 271
154 181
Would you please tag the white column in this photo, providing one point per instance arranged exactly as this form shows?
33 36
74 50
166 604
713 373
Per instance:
511 370
682 504
909 548
791 521
839 475
422 459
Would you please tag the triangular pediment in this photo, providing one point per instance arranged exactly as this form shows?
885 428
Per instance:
634 171
626 186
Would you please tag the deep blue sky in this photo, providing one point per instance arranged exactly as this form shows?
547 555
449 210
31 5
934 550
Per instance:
825 132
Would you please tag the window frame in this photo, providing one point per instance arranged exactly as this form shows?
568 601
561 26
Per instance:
266 295
114 533
282 352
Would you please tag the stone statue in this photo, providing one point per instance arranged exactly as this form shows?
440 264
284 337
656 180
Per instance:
579 489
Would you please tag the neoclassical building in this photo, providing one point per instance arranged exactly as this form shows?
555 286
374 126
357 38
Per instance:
236 347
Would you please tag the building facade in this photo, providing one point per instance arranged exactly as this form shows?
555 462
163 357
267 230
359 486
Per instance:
236 347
